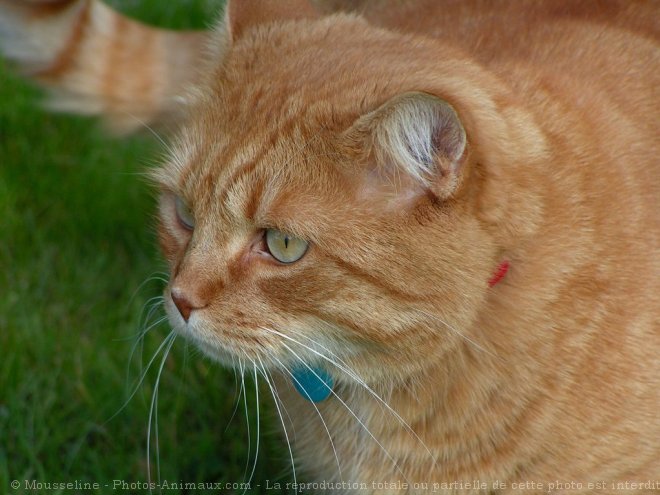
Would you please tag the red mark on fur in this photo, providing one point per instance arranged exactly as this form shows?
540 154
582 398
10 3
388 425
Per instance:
499 273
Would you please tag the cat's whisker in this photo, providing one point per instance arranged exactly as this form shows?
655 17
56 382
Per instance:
187 346
455 331
243 391
276 398
156 276
153 413
155 303
160 139
284 409
149 307
352 374
236 388
332 443
139 341
343 403
156 438
339 364
346 369
233 368
156 306
142 376
256 453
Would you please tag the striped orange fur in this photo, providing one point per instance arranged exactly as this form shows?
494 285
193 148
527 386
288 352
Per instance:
415 146
96 61
346 132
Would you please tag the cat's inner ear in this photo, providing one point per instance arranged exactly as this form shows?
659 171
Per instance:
414 144
242 15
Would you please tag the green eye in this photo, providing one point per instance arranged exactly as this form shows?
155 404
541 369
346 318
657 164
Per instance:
184 214
284 247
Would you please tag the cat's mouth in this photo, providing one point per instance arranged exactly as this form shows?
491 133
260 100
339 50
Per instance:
231 346
224 351
228 349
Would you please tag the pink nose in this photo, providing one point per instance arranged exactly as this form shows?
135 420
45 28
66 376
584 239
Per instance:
182 303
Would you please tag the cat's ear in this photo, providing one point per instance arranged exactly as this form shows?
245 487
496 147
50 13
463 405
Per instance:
241 15
413 144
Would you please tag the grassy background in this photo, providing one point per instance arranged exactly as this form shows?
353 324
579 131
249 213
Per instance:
76 244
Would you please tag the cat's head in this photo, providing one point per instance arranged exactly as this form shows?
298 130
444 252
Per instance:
327 195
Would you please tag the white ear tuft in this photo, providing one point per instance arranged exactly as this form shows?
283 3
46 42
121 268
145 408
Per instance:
418 136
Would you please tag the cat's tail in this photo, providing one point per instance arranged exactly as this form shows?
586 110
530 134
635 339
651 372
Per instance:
95 61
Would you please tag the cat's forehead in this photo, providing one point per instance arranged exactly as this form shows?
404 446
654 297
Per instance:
261 140
276 173
286 74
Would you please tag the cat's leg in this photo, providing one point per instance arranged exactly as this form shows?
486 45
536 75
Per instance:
95 61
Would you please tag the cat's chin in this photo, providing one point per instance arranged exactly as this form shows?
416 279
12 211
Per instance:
222 356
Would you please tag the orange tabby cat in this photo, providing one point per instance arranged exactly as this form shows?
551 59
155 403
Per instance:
97 61
448 212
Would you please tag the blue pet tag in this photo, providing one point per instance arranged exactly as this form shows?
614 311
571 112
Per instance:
313 383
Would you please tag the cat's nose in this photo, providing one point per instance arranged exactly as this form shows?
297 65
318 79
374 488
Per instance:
183 303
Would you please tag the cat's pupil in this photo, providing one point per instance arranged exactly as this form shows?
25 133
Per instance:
286 242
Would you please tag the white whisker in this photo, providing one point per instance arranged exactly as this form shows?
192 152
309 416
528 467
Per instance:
139 341
142 376
346 369
151 130
453 329
156 276
279 413
382 447
284 409
237 389
334 450
256 454
247 416
150 306
154 398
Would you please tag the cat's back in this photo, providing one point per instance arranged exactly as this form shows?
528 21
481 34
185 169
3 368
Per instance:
570 47
493 30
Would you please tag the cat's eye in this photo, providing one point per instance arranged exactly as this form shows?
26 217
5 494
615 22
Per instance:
285 248
184 214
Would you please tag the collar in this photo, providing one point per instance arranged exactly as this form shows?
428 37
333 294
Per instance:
499 273
312 382
315 384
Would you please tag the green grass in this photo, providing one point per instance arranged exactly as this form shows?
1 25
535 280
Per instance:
76 244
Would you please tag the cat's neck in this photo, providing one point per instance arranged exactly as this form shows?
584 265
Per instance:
440 412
